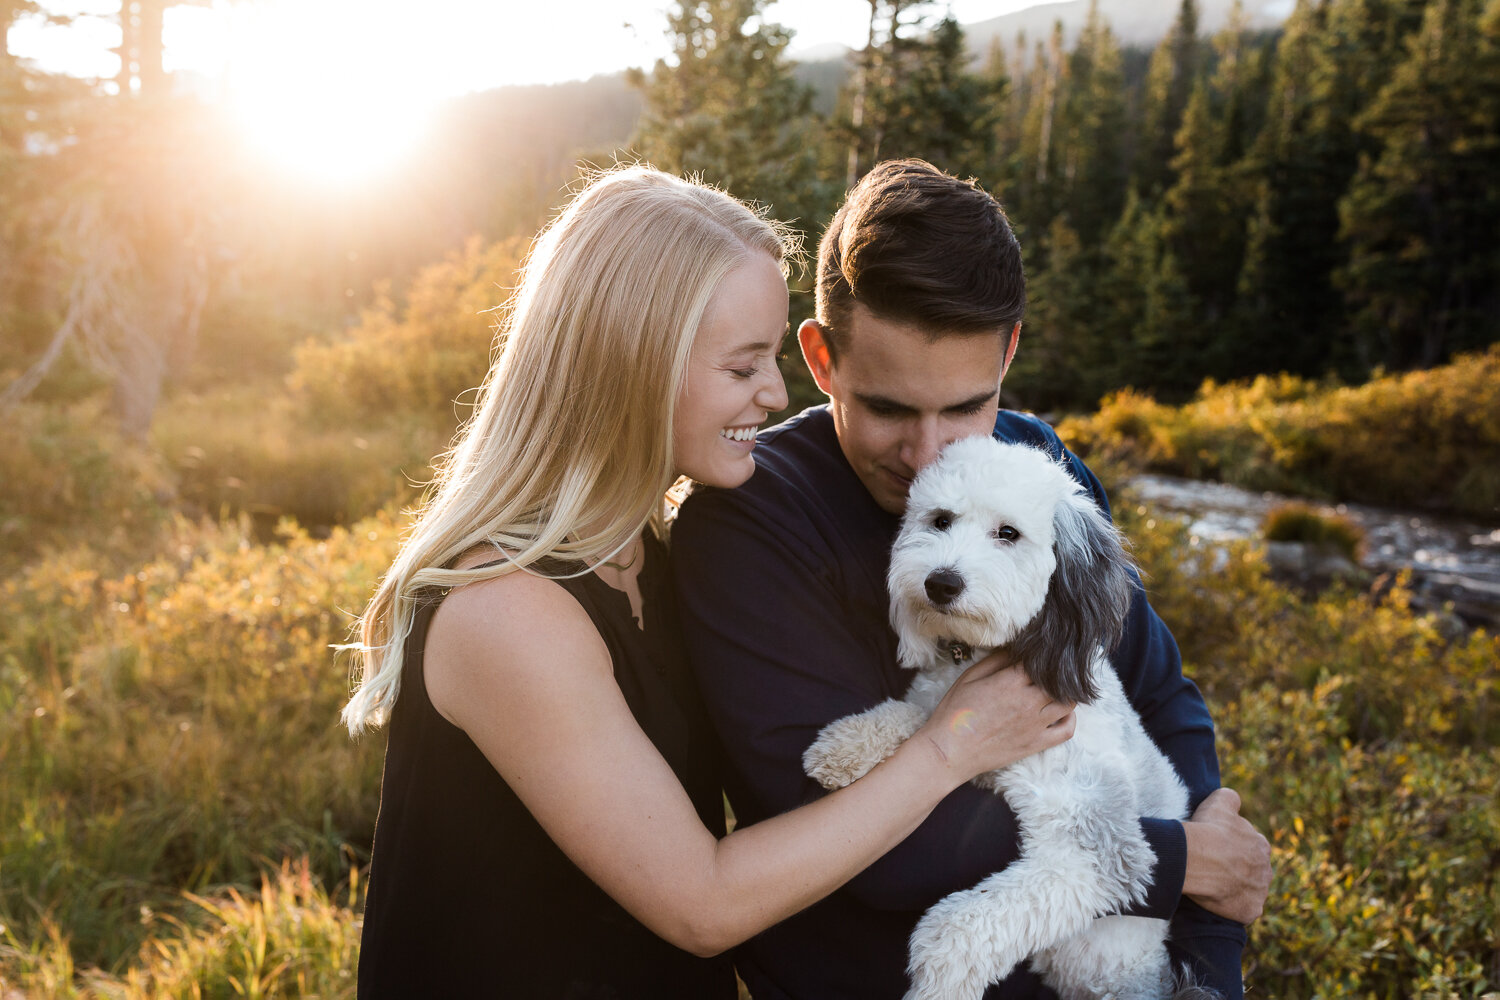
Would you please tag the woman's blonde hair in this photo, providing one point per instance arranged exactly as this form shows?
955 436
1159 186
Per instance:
573 427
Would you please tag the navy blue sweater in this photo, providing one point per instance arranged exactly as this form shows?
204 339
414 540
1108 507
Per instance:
784 609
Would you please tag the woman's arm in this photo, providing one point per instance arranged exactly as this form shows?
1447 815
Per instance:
517 664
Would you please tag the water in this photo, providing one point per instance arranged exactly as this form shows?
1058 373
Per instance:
1450 559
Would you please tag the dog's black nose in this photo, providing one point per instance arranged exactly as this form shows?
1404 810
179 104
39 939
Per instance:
943 585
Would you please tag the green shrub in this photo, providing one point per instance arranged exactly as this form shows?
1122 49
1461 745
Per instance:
1384 854
1239 630
1296 522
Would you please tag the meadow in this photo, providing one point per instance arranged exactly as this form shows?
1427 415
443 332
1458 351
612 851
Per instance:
182 815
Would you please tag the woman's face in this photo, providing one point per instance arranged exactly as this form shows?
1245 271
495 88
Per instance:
732 380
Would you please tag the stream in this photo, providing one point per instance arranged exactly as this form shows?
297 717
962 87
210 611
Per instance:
1451 560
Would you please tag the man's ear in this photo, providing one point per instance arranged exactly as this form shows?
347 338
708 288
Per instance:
815 353
1010 349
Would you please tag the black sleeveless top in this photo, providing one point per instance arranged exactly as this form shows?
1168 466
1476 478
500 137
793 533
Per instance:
468 897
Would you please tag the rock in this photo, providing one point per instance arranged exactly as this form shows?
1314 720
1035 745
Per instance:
1311 567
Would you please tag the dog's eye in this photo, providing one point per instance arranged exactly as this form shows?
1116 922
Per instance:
942 520
1005 533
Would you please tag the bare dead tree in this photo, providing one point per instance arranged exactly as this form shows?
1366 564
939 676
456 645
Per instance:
124 314
861 91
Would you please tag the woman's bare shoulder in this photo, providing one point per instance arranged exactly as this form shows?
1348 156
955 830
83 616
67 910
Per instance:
500 631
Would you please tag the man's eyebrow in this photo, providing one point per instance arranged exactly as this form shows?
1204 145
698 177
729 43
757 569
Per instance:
894 406
882 403
973 402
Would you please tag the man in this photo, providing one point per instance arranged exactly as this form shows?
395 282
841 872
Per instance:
782 582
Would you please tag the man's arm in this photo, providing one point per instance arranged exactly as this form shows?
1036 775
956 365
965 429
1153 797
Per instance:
783 644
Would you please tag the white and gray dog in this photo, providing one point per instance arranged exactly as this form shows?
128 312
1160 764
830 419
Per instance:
1001 547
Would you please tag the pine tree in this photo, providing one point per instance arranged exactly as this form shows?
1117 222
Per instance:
1037 154
141 45
913 94
1156 341
37 112
1093 155
999 174
1208 202
1421 216
729 109
1169 84
878 74
941 111
1069 345
1297 167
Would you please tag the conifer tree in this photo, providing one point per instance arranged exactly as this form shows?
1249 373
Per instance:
942 111
728 108
1070 352
1000 172
879 72
1170 77
1155 341
1298 167
1208 202
1421 216
915 95
1037 151
1093 154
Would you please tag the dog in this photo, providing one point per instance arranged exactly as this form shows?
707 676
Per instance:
1000 546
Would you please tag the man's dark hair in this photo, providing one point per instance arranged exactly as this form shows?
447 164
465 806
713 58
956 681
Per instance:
915 245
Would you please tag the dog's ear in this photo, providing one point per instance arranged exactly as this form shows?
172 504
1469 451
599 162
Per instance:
1088 598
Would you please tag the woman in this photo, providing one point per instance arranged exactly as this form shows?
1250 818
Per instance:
550 821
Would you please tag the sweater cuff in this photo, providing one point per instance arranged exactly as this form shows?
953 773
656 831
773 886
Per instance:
1168 841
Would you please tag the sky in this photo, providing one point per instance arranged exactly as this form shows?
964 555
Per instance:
449 47
339 90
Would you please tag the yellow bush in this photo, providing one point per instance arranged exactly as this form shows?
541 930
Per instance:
251 449
176 727
1238 630
288 940
1364 743
417 360
66 474
1429 438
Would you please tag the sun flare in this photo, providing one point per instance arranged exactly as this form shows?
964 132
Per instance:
318 88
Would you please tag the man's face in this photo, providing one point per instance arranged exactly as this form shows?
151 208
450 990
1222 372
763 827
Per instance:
898 397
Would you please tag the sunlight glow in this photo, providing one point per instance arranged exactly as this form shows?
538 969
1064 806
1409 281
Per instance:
342 90
321 87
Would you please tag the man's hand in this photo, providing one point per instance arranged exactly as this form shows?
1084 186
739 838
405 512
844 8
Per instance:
1228 861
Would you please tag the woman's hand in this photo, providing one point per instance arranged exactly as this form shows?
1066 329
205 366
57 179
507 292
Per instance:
994 716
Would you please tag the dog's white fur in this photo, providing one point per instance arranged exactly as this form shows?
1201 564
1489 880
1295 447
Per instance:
1082 851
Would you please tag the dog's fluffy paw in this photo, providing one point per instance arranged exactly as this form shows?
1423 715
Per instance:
846 749
837 757
961 945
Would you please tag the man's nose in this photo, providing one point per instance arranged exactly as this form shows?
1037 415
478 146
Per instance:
922 445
